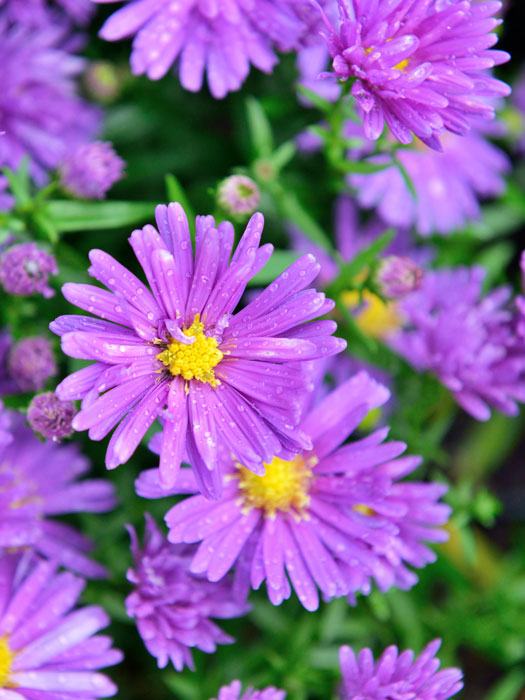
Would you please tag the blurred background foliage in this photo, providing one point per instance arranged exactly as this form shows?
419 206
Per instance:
179 146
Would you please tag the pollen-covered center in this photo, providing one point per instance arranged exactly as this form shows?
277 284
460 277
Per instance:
196 360
374 316
284 486
6 661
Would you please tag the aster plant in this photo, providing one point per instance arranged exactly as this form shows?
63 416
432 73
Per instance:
420 68
48 648
220 39
172 607
178 351
332 520
234 691
39 481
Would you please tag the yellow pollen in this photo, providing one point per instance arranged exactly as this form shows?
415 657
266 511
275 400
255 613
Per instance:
374 317
6 661
195 361
284 486
402 64
364 510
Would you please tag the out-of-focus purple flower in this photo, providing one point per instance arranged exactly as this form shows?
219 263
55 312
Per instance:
5 426
520 305
397 675
420 67
51 417
221 375
35 13
30 363
91 169
234 691
518 99
466 339
6 200
222 39
448 185
25 269
238 195
49 649
398 276
7 384
173 607
39 481
332 519
40 112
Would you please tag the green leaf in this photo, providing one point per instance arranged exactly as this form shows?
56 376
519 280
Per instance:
176 193
292 210
509 687
405 175
260 130
280 260
19 182
283 155
315 99
363 167
69 216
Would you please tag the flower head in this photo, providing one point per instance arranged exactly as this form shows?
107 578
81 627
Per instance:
39 481
48 649
421 67
331 519
91 169
30 363
448 185
178 351
466 339
50 416
398 276
172 607
25 269
238 195
396 675
40 113
234 691
221 39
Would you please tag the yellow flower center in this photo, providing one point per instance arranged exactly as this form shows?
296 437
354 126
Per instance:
402 64
364 510
195 361
283 487
6 661
374 316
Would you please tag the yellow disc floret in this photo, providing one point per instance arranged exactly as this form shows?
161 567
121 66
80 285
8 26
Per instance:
196 360
6 661
374 316
283 487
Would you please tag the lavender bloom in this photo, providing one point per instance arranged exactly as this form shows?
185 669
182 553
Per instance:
234 692
39 481
398 276
422 67
30 363
466 339
448 185
50 416
221 39
25 269
332 519
7 383
395 675
35 13
40 113
173 607
221 375
238 195
91 170
48 649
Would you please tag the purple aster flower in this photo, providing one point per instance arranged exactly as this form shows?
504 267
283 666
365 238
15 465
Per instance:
40 113
421 66
234 692
173 607
5 426
396 675
50 416
398 276
91 169
25 269
332 519
221 39
39 481
220 375
49 649
36 13
448 185
238 195
464 338
30 363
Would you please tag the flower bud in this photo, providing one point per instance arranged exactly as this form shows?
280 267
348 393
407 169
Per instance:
238 195
398 276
